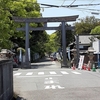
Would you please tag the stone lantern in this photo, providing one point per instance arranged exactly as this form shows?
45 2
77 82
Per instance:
6 54
74 53
90 55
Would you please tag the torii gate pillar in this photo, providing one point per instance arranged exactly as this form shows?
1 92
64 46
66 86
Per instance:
64 62
27 52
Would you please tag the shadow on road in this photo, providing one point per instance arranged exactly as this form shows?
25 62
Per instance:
44 59
40 66
44 63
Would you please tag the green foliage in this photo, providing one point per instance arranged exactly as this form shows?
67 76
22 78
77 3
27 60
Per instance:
55 40
69 37
8 34
38 42
10 8
96 30
86 25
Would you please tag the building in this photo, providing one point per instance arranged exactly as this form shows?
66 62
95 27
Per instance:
86 41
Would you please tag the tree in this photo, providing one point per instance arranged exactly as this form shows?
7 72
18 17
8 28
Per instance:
51 45
38 41
86 25
4 25
69 37
8 9
96 30
8 34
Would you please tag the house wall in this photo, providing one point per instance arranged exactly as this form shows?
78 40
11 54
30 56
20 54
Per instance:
96 46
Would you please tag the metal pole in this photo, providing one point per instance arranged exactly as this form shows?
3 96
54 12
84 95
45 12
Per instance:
27 45
64 62
77 49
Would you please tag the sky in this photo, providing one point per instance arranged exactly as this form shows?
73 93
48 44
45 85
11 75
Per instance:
62 11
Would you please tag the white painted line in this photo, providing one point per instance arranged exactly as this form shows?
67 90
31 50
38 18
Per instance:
29 73
17 74
40 73
53 72
50 78
54 87
37 76
64 72
46 78
76 72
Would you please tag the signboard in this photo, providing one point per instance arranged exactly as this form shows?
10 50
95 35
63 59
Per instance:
29 53
81 62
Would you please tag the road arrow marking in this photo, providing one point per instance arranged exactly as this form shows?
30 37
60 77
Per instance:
50 82
48 78
54 87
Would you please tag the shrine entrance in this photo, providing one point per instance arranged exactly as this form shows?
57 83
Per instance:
44 20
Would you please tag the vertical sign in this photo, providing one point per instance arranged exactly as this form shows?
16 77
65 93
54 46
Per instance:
81 61
29 53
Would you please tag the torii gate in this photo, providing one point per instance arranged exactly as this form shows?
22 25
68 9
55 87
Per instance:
45 20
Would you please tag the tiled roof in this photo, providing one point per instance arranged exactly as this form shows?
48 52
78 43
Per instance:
84 39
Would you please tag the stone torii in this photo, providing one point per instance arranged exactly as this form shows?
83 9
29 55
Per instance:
44 20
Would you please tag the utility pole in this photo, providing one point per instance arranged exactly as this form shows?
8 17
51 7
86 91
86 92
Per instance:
77 49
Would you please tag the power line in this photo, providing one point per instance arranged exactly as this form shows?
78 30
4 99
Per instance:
63 2
66 6
87 9
72 2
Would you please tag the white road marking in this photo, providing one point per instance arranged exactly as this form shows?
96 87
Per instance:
40 73
48 78
76 72
29 73
54 87
64 72
37 76
49 82
17 74
53 72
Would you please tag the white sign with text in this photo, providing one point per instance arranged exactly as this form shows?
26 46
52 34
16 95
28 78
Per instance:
81 61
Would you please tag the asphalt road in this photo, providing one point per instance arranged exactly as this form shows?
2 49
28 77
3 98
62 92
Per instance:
47 81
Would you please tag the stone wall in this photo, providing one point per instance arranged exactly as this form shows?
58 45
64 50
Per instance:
6 80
